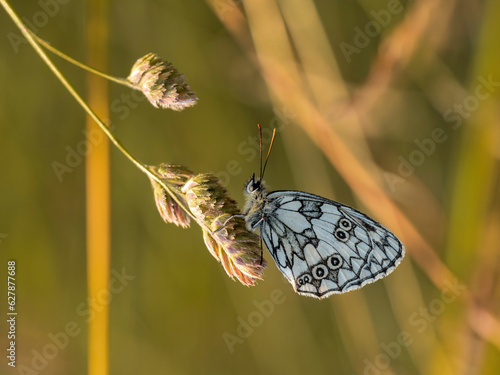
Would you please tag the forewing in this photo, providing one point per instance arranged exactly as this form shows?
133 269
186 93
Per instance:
323 247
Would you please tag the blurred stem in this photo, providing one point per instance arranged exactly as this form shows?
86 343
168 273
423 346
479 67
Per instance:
97 178
45 44
475 187
28 35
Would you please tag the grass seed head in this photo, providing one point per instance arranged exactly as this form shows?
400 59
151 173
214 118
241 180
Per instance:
161 83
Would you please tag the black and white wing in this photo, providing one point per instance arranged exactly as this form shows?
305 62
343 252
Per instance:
323 247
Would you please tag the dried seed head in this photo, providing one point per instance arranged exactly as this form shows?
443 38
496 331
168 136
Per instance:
206 198
174 176
240 247
230 243
161 83
225 235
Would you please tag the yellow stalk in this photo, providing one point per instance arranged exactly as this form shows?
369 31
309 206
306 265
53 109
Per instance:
98 190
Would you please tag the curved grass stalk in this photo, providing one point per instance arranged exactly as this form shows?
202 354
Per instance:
38 49
48 46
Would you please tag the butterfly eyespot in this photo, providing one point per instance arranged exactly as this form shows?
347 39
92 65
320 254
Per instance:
304 279
345 224
334 262
341 235
320 272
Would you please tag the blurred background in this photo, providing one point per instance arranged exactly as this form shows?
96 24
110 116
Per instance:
384 105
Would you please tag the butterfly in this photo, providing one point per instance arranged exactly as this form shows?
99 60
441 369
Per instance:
321 246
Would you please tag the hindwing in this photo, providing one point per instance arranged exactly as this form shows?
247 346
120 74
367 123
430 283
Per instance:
324 247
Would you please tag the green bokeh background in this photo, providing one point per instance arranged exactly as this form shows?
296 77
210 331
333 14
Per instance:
172 317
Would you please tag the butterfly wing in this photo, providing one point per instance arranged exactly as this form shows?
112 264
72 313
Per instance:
323 247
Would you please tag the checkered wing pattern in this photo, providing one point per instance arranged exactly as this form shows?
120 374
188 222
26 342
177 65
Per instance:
324 247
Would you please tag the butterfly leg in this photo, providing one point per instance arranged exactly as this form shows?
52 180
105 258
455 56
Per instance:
227 221
261 253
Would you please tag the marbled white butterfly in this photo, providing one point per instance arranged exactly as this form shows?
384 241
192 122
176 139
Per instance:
321 246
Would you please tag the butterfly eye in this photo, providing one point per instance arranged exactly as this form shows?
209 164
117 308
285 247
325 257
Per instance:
345 224
250 187
334 262
341 235
253 185
320 272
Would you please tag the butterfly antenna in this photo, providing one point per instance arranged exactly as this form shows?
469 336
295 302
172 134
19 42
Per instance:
260 149
268 152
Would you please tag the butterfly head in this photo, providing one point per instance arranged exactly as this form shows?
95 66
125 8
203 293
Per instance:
253 186
256 192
